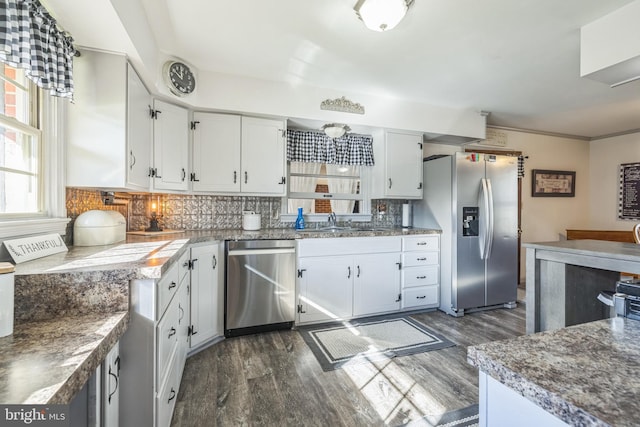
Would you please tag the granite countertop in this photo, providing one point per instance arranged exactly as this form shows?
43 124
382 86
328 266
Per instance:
584 374
597 248
49 361
148 256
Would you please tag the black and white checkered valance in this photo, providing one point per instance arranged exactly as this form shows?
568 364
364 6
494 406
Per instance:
31 40
311 146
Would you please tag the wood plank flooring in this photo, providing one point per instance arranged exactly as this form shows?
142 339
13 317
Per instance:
273 379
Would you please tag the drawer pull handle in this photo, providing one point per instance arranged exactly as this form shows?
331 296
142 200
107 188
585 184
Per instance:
172 332
422 297
421 243
172 285
421 277
421 259
172 395
348 272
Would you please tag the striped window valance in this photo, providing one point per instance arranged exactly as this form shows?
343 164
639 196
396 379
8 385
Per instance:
311 146
31 40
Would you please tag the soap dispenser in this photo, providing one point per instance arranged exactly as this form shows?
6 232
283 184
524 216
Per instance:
300 220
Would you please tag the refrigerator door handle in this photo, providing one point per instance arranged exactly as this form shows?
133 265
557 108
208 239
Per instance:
490 221
483 223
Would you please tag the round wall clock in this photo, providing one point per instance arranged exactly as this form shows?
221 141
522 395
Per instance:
179 77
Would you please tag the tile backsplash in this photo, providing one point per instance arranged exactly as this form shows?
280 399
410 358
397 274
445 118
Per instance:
196 212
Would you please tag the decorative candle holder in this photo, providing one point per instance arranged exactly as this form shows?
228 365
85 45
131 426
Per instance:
154 212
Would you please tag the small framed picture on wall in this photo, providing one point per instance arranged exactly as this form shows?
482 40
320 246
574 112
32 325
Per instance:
552 183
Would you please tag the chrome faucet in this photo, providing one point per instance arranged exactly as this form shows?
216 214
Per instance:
332 219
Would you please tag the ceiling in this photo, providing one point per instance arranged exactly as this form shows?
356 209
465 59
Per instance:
517 59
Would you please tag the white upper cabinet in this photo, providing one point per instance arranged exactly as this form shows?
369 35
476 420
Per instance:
235 154
216 152
170 147
263 158
397 173
109 126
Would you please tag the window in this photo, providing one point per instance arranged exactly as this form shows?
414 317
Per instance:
20 146
324 188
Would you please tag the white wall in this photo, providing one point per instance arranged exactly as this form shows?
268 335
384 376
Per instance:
606 157
545 218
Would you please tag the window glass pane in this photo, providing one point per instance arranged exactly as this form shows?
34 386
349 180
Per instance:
326 188
15 94
18 193
18 152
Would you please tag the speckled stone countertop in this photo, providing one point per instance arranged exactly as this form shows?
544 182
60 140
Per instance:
72 307
585 375
49 361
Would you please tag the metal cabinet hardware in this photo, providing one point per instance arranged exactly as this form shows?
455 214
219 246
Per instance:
300 310
133 159
184 174
193 177
420 186
115 377
214 262
172 285
172 395
421 277
421 297
399 298
390 183
282 180
421 259
193 124
399 264
349 272
300 271
246 177
358 275
421 243
172 332
235 177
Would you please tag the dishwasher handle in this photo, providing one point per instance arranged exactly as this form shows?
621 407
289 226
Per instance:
265 251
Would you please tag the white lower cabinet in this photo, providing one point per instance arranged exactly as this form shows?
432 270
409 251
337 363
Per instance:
420 279
111 387
207 293
347 277
325 289
376 286
153 349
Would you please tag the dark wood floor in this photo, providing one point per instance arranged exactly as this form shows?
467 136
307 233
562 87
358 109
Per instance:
273 379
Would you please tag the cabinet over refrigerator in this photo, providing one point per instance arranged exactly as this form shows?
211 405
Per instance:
473 198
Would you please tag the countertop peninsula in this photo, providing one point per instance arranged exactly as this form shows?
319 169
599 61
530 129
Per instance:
72 307
584 375
565 277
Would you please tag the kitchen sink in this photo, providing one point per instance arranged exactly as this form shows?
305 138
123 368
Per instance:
336 229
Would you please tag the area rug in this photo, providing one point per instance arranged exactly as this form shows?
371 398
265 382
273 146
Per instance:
370 339
465 417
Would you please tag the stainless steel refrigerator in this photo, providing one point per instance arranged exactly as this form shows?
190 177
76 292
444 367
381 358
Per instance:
473 199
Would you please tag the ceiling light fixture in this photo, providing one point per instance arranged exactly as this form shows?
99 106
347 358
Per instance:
335 130
382 15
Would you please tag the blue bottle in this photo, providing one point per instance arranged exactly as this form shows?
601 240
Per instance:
300 220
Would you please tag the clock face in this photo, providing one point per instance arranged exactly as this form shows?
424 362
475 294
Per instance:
180 78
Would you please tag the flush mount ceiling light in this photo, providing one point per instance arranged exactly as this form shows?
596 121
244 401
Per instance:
382 15
335 130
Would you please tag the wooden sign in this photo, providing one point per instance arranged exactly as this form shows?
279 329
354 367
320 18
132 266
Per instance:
29 248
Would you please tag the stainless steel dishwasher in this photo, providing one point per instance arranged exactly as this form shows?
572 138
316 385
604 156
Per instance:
259 286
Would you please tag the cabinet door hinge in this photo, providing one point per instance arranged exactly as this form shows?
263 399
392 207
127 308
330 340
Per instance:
300 271
192 177
420 145
194 124
191 330
399 264
420 186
